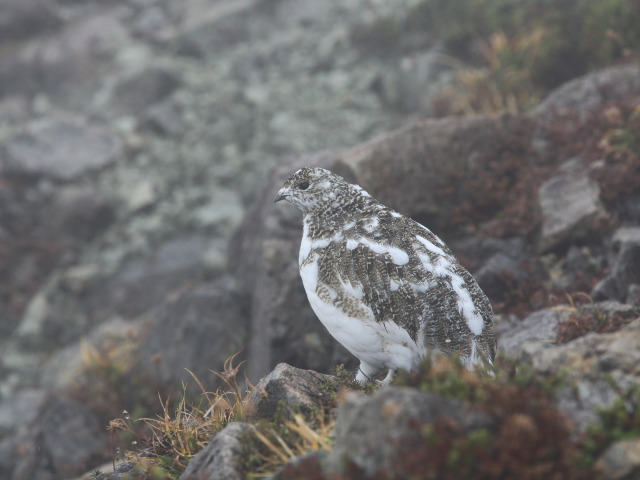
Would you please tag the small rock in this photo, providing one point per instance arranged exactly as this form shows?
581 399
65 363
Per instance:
19 410
215 27
83 212
140 90
20 19
166 119
124 471
596 368
621 461
62 148
591 91
301 467
540 326
633 294
64 442
223 458
290 387
626 266
570 203
140 195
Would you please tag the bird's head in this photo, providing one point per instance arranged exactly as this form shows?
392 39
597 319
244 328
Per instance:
310 187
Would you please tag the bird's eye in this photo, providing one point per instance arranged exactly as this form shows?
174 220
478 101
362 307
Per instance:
302 185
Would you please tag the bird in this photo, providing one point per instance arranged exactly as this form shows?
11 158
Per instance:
384 286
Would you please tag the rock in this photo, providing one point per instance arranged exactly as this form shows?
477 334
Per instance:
404 169
20 19
14 109
67 65
124 471
82 213
621 461
596 368
62 148
308 466
570 204
223 458
499 270
166 119
19 410
625 271
137 91
539 327
217 26
67 367
591 91
289 388
197 329
64 426
378 434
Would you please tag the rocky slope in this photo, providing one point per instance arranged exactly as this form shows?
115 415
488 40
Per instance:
138 139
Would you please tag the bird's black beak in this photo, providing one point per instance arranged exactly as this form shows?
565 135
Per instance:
280 196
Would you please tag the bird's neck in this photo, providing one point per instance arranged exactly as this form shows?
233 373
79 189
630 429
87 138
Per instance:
330 217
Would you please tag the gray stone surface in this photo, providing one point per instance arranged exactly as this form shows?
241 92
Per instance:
540 327
66 438
223 458
18 411
404 168
621 461
570 204
62 148
375 433
591 91
289 388
21 19
625 266
596 368
207 325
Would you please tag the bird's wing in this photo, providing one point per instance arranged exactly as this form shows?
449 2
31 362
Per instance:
412 280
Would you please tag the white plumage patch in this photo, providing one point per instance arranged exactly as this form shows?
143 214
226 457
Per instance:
384 286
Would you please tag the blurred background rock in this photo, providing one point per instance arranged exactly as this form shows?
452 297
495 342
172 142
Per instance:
141 142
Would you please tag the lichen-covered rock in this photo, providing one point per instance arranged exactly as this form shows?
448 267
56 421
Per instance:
539 327
570 204
625 268
596 369
621 461
591 91
379 435
223 458
64 441
62 148
288 389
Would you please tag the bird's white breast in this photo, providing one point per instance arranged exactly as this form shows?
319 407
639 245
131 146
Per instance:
379 344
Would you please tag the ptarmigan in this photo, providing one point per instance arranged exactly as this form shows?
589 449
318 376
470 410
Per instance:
386 288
